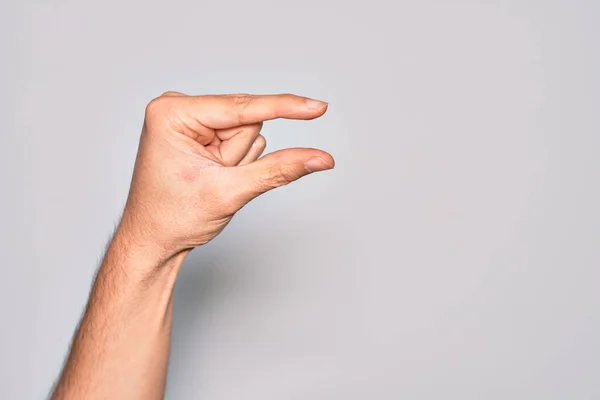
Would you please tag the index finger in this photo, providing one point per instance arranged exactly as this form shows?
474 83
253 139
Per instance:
226 111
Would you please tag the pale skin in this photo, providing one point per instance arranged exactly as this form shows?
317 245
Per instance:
197 165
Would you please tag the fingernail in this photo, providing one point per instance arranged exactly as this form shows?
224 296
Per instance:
315 104
317 164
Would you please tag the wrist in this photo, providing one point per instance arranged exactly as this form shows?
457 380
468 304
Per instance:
141 233
141 258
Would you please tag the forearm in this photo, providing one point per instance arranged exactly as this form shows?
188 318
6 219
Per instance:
198 163
121 349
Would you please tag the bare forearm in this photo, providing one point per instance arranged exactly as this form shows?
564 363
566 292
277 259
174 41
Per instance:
121 349
198 163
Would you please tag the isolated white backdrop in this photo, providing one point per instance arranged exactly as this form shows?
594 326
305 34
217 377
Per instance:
452 253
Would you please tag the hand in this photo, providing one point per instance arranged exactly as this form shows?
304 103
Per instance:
197 165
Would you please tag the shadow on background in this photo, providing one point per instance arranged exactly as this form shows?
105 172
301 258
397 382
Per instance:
214 279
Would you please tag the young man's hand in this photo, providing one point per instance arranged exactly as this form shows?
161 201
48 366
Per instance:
197 165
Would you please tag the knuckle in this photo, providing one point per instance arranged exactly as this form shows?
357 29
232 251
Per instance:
280 175
156 107
240 102
170 93
288 174
241 98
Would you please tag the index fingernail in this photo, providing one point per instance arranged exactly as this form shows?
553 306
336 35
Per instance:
315 105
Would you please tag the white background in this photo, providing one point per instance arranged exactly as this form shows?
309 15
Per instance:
452 254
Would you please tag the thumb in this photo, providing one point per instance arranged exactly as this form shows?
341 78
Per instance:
278 169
